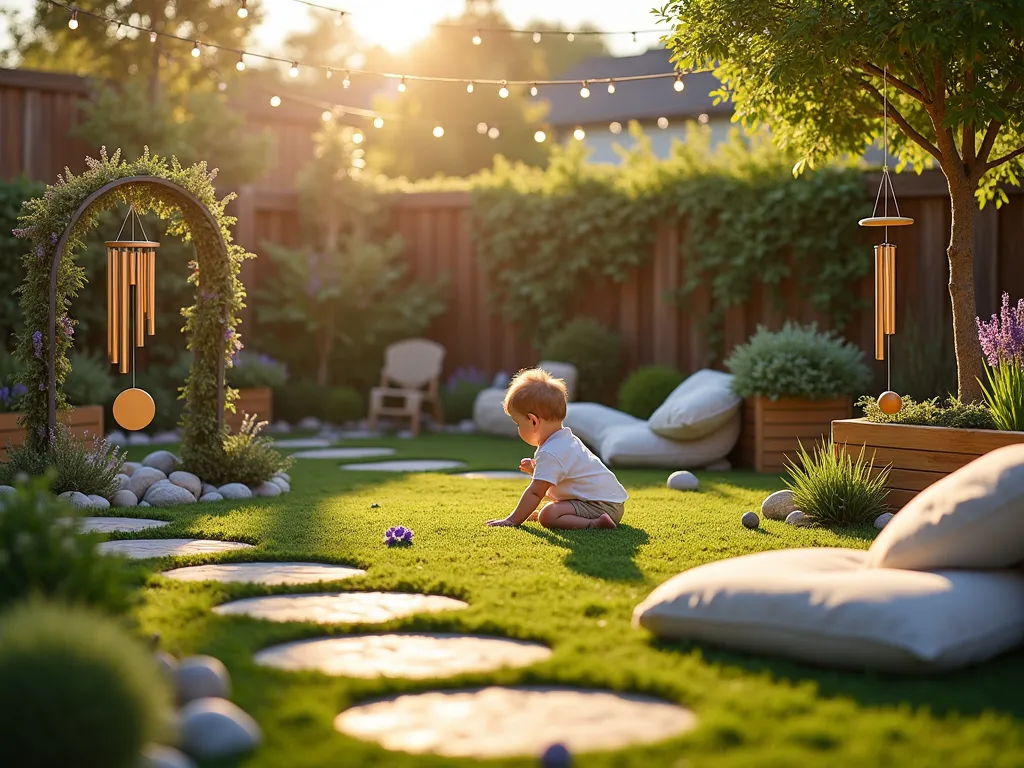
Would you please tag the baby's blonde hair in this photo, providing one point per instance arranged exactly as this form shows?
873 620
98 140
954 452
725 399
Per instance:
536 391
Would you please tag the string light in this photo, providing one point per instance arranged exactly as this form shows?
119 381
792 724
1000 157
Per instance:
679 84
539 137
611 86
152 37
477 39
326 116
242 10
536 37
241 63
585 90
703 118
401 86
346 81
73 21
663 123
570 37
357 138
329 73
503 91
493 132
378 122
579 134
533 90
195 50
481 128
469 88
438 131
615 128
294 71
275 101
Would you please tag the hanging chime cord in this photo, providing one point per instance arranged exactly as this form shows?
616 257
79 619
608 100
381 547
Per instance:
885 174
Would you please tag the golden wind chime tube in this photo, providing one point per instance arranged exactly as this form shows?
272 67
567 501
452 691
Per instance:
885 296
131 298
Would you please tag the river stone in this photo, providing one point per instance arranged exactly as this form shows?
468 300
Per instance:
412 656
499 722
201 677
129 467
235 491
265 490
308 423
143 478
797 518
169 495
117 437
124 481
159 756
207 488
270 574
188 481
138 438
165 438
118 524
216 728
144 503
165 461
76 499
212 496
284 475
883 520
281 483
778 505
683 481
142 549
167 663
124 499
750 520
98 502
339 608
7 489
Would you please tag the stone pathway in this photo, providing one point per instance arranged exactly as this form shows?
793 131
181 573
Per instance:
509 722
117 524
344 453
301 442
429 465
141 549
410 656
270 574
339 608
494 474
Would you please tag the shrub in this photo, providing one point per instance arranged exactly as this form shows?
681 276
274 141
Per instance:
459 393
596 352
928 413
798 361
90 466
39 555
646 389
294 402
10 396
249 370
249 457
833 489
76 690
342 404
89 382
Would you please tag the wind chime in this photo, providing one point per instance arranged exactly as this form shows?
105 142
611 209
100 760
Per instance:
885 265
131 316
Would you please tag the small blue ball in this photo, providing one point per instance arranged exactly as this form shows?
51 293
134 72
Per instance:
556 756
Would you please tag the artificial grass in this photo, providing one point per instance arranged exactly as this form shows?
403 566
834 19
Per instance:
574 591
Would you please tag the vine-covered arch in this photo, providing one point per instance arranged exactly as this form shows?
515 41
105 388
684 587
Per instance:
56 223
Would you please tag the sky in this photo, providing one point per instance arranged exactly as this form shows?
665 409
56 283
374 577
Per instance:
397 23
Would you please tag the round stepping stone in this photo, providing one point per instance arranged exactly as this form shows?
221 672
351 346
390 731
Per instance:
498 722
498 474
344 453
302 442
117 524
273 574
404 466
339 607
408 656
141 549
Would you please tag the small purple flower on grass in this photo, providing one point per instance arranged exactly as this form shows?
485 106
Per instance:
398 534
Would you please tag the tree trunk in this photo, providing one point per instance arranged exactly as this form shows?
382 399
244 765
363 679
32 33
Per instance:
961 288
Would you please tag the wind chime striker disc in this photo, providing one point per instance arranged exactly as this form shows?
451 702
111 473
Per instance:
134 409
886 221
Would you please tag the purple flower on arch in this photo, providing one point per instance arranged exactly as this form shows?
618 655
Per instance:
54 238
68 327
40 252
37 344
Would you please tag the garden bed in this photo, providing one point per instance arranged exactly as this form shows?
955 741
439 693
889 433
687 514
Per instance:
772 430
253 401
919 456
84 421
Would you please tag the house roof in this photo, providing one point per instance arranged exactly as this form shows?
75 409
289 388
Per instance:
638 100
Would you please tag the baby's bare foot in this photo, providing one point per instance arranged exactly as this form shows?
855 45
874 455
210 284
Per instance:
604 521
534 516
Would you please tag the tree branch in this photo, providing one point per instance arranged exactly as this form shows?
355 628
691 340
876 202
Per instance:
901 121
993 127
968 146
915 70
1005 158
870 69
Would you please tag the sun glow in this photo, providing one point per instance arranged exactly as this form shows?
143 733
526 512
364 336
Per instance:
398 29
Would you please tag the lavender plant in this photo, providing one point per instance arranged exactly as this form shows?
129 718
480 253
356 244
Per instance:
90 466
1002 342
10 396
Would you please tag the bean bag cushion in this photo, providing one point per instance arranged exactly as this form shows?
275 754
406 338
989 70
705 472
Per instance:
972 518
823 606
701 405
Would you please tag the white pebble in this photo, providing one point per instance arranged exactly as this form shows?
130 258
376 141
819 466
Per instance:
883 520
683 481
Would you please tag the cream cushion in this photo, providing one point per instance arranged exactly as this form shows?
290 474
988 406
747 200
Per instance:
489 417
621 440
697 407
822 606
565 371
972 518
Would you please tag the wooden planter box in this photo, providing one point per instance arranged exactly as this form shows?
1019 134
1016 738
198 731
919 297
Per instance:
257 401
918 455
774 430
84 421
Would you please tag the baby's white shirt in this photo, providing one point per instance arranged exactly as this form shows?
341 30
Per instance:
576 473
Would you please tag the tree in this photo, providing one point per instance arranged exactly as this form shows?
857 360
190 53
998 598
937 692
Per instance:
814 72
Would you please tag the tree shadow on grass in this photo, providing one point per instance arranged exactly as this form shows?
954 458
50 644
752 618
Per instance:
608 555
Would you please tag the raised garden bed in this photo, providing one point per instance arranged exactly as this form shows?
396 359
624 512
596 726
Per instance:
256 401
772 429
918 456
84 421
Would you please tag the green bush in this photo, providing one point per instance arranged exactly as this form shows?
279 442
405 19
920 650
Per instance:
294 402
798 361
76 690
249 457
832 488
89 382
596 352
929 413
646 388
40 555
250 370
89 466
342 404
459 393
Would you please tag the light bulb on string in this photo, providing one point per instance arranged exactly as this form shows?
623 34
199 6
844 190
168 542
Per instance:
679 84
585 90
533 90
469 87
346 81
615 127
536 37
493 132
477 39
222 86
438 131
378 122
329 73
611 86
539 137
570 37
73 21
152 37
503 91
242 10
294 71
241 63
481 128
358 162
326 116
579 134
195 50
401 85
275 101
663 123
357 138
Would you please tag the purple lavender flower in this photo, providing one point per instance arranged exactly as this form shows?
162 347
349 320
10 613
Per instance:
229 334
69 329
1002 338
40 252
398 534
22 232
37 343
54 238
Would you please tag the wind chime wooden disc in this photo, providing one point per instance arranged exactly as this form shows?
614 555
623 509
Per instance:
134 409
886 221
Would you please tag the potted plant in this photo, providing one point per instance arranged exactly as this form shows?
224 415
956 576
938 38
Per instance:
795 382
254 376
925 441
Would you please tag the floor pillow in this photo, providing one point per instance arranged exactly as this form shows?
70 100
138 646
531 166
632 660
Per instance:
972 518
699 406
822 606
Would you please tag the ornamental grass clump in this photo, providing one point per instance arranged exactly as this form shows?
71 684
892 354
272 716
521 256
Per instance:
1002 342
249 457
832 488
